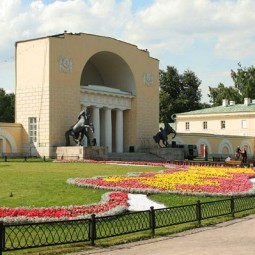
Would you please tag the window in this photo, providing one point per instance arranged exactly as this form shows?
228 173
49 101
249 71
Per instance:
187 125
244 124
223 124
205 125
32 128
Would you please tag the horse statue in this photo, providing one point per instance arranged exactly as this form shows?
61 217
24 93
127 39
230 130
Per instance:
79 129
162 135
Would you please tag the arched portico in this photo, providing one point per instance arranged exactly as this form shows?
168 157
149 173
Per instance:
107 87
6 138
225 147
107 106
204 142
63 67
248 145
110 70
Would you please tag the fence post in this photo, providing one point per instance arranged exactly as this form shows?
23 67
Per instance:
232 206
199 212
152 220
1 237
93 229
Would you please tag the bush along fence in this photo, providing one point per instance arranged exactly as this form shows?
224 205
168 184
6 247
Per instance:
31 235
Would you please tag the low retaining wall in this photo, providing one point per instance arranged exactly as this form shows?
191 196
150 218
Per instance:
169 153
79 152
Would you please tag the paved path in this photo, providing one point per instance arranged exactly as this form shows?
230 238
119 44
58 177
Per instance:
235 237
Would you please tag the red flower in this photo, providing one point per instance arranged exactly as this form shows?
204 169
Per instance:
113 200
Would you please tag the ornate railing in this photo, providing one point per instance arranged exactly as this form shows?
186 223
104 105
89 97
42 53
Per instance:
31 235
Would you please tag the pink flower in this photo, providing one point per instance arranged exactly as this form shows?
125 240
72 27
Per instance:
178 179
111 200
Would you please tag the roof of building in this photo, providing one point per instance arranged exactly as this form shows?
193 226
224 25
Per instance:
65 34
229 108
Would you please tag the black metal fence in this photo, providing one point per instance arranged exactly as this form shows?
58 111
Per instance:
213 160
19 158
32 235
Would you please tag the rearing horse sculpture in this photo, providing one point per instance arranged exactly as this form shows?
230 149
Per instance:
79 129
162 135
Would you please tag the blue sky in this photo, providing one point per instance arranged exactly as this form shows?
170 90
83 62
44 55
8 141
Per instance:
208 37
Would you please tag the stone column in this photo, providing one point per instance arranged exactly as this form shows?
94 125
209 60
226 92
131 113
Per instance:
108 129
96 123
119 130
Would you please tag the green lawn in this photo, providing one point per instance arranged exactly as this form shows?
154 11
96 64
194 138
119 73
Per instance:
43 184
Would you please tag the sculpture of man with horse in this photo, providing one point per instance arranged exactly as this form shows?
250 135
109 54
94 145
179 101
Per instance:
79 129
162 135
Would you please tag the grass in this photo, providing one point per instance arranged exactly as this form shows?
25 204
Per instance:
43 184
176 200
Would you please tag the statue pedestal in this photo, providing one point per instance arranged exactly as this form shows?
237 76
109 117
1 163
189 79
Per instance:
79 152
169 153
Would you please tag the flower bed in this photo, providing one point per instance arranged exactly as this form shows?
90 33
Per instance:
111 203
186 180
113 162
176 179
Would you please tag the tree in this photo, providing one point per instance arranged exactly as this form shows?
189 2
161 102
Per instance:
244 86
244 79
7 104
178 93
221 92
190 93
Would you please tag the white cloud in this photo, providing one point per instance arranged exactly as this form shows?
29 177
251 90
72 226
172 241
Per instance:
206 36
178 24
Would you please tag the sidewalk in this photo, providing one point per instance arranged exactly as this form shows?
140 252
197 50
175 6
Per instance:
235 237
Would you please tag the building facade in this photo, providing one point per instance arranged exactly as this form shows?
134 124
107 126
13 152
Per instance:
11 140
221 128
58 76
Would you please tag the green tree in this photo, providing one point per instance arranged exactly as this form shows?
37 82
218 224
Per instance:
244 80
7 104
216 95
178 93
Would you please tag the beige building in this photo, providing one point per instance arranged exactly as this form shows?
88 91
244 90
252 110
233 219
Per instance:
221 128
57 76
10 139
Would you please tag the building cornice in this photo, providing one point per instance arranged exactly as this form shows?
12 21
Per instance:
105 97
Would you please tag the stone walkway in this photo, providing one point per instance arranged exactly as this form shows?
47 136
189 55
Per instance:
235 237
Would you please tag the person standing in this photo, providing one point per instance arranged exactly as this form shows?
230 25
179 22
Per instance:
238 152
244 155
